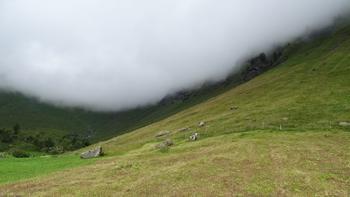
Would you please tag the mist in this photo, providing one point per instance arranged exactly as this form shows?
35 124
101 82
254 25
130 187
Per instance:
112 55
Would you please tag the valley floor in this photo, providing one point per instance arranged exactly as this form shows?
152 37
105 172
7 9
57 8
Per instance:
257 163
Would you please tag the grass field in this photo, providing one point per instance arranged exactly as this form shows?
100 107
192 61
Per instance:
259 163
13 169
284 139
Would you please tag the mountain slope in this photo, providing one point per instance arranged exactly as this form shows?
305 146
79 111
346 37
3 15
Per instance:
35 117
311 91
276 135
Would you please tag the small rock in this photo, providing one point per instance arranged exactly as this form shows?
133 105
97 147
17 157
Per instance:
92 153
168 142
165 144
163 133
233 108
201 124
285 119
183 129
344 124
194 137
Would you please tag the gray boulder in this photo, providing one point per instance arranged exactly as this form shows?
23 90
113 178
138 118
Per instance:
165 144
201 124
183 129
162 133
194 137
92 153
344 124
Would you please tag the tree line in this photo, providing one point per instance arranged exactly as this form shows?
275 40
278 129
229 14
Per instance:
18 143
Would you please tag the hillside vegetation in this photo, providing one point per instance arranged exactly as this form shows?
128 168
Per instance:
50 129
276 135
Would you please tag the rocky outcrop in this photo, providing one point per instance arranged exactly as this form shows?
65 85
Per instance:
262 63
254 67
92 153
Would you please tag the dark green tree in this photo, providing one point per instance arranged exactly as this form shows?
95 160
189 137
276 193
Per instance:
16 129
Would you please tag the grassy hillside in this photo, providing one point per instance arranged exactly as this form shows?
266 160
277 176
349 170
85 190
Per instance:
276 135
37 117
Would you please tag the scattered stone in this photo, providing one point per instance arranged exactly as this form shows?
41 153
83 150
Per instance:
163 133
194 137
233 108
183 129
92 153
201 124
344 124
165 144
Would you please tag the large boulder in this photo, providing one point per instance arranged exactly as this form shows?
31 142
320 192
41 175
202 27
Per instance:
92 153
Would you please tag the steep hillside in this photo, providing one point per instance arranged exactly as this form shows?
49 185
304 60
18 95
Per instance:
276 135
311 91
47 128
37 117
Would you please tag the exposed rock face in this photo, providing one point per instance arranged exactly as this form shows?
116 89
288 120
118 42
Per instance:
344 124
263 63
162 133
254 67
194 137
92 153
201 124
179 96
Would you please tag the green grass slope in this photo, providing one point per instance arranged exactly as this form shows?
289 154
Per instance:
16 169
283 140
37 117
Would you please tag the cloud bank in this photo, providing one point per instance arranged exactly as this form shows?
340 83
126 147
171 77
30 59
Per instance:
117 54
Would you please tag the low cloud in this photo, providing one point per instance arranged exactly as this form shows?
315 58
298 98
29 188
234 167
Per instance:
116 54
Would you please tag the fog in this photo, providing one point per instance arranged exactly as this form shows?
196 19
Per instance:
116 54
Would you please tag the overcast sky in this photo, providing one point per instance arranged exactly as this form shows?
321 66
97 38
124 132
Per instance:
116 54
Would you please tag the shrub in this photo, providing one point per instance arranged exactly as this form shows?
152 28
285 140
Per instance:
3 147
20 154
3 155
56 150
